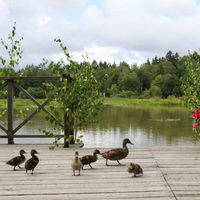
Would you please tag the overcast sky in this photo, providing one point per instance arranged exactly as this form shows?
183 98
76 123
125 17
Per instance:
108 30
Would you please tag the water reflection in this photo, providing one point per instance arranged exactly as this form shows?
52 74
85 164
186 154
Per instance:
144 126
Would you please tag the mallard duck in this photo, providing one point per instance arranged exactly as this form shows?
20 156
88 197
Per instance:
135 169
18 160
118 153
88 159
32 162
76 164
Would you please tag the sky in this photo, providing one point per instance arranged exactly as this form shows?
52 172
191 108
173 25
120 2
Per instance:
107 30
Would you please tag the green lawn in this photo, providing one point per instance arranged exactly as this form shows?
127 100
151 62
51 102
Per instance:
124 102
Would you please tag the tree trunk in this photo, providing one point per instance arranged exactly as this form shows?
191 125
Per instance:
72 130
68 130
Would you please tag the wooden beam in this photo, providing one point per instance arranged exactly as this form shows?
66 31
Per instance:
30 136
4 129
10 111
29 117
3 85
30 78
38 104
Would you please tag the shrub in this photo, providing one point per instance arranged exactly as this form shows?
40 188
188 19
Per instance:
127 94
37 93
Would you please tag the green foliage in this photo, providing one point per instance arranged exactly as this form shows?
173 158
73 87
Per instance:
129 81
155 91
36 92
55 136
14 51
126 94
76 93
114 89
167 83
191 84
3 94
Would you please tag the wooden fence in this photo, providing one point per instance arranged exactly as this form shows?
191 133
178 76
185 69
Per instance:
10 83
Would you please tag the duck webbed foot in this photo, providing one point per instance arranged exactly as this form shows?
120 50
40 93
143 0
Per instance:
90 166
118 162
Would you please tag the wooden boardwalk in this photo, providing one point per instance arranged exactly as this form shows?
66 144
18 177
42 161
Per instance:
169 173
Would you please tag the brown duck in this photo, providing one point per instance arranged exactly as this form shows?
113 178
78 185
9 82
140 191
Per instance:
32 162
135 169
88 159
18 160
118 153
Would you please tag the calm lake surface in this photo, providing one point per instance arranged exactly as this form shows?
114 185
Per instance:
156 126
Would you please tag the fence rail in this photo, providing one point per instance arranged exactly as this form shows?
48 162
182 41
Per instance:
11 82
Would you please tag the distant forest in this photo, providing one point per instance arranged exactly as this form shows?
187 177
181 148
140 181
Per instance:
160 77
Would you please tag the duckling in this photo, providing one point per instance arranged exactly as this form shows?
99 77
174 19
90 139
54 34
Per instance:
32 162
118 153
76 164
135 169
88 159
16 161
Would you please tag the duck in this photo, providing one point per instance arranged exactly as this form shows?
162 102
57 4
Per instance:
135 169
76 164
88 159
32 162
18 160
117 153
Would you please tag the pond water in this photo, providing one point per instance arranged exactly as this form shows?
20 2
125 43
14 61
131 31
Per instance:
156 126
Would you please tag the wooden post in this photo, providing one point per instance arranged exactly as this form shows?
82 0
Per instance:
10 112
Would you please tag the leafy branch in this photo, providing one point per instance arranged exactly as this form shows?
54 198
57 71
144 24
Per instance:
13 49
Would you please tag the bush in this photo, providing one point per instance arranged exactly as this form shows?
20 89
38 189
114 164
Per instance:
127 94
155 91
37 93
146 94
3 94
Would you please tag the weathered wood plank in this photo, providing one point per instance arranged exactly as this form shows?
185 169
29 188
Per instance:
99 196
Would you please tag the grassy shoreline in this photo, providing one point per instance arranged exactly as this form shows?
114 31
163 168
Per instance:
114 101
128 102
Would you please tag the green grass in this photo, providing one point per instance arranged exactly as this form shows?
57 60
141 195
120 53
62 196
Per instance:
128 102
21 104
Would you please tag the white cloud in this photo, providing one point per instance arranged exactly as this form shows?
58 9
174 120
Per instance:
131 30
43 20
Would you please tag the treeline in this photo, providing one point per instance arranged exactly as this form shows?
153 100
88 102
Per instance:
158 77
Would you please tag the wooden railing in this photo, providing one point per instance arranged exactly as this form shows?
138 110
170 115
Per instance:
10 83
